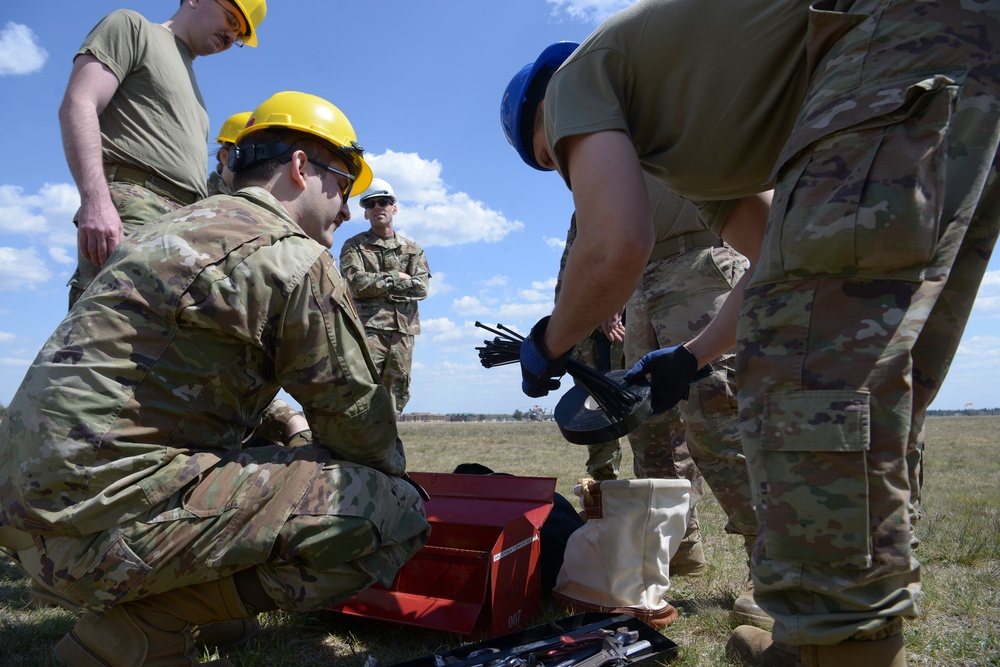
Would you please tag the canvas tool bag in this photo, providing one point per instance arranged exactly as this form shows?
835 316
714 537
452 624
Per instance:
619 560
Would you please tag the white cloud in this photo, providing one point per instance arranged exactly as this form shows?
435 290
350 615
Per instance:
498 280
439 285
21 268
61 256
981 348
440 329
6 337
592 11
555 244
468 305
428 212
532 311
20 52
13 361
987 303
51 208
446 331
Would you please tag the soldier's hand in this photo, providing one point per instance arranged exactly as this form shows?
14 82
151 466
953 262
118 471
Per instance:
671 371
99 231
539 375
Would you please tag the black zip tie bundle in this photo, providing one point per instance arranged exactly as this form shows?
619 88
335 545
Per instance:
614 400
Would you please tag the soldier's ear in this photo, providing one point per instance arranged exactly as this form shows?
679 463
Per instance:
297 168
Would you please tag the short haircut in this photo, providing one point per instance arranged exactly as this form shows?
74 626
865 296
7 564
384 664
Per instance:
262 170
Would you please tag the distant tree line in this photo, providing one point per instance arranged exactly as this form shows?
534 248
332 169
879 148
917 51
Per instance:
968 412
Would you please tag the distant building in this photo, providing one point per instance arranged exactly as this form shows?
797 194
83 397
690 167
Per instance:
423 417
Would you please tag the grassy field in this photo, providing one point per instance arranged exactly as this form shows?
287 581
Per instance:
960 552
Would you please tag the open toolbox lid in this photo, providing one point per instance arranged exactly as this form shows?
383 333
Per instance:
661 648
478 574
486 500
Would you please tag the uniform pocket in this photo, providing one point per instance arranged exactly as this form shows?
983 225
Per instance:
815 446
863 200
113 572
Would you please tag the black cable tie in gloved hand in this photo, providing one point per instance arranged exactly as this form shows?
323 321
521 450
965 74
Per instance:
539 375
671 372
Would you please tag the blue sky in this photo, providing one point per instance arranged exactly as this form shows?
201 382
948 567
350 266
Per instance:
421 83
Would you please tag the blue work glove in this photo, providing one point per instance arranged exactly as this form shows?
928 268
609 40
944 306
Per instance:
539 376
671 371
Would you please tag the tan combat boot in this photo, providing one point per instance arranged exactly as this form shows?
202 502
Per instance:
689 561
745 610
221 635
752 646
154 631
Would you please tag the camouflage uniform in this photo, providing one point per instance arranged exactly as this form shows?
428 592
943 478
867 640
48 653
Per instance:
387 305
885 213
217 186
122 452
689 276
597 351
878 121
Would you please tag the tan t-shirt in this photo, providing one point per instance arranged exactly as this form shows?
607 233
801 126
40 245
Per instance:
672 215
156 121
708 90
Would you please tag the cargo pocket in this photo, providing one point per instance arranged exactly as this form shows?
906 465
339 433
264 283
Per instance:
815 445
716 394
114 572
859 193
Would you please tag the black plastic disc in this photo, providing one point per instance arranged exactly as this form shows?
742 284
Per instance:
582 421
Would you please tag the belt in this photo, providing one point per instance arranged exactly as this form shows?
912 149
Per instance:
118 172
678 245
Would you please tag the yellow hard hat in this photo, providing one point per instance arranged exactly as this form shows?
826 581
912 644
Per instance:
313 115
232 128
253 11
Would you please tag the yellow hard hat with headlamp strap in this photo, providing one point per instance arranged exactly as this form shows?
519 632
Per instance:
313 115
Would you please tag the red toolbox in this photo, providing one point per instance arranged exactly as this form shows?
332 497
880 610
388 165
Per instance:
478 574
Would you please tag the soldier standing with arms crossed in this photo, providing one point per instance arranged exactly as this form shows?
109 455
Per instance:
388 275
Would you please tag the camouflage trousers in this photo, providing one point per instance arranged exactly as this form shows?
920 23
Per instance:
885 213
136 206
392 353
317 530
675 299
603 459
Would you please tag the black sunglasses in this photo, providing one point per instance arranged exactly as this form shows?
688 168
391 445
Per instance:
378 201
345 189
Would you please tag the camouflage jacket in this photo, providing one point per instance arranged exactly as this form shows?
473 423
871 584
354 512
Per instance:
217 186
173 353
371 265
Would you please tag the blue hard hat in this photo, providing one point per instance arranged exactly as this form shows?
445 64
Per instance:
525 91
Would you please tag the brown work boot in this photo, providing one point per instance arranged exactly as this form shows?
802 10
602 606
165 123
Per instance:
746 612
689 561
224 635
153 631
752 646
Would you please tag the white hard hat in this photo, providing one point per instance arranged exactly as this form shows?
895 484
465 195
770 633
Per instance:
378 188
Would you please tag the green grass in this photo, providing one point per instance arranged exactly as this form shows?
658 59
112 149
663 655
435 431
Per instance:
960 552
